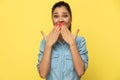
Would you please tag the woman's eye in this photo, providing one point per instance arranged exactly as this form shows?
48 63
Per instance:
55 16
65 16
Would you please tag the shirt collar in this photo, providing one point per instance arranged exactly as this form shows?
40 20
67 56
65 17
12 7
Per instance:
59 42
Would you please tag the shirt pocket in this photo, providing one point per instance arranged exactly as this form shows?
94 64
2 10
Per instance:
69 63
54 61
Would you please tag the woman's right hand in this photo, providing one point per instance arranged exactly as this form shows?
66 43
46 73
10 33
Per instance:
52 37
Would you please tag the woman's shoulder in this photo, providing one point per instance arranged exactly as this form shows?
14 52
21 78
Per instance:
80 38
42 42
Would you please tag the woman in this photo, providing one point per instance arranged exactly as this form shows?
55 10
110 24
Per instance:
63 55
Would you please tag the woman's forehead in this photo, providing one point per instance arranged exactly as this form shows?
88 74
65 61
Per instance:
60 9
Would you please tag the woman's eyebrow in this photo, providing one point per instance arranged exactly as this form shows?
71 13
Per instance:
62 13
65 13
55 13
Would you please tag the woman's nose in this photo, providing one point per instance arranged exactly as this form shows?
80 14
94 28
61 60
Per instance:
60 19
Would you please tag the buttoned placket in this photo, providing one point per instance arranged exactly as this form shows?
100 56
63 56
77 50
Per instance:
62 57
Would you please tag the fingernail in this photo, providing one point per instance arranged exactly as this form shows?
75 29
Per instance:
78 30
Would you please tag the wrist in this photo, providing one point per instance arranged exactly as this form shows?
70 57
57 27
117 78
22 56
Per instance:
48 45
72 43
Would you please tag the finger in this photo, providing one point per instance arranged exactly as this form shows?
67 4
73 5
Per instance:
57 30
59 26
66 29
57 33
63 32
63 28
77 32
43 34
63 35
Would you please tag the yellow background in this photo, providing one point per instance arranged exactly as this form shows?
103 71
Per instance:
22 20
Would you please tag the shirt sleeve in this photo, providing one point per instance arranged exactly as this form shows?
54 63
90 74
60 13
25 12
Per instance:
41 51
83 51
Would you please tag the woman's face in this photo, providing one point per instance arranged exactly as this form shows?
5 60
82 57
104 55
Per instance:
61 14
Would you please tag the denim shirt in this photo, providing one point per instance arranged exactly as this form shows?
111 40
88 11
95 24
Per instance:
62 67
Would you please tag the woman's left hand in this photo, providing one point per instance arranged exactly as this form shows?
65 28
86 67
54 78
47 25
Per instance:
67 35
